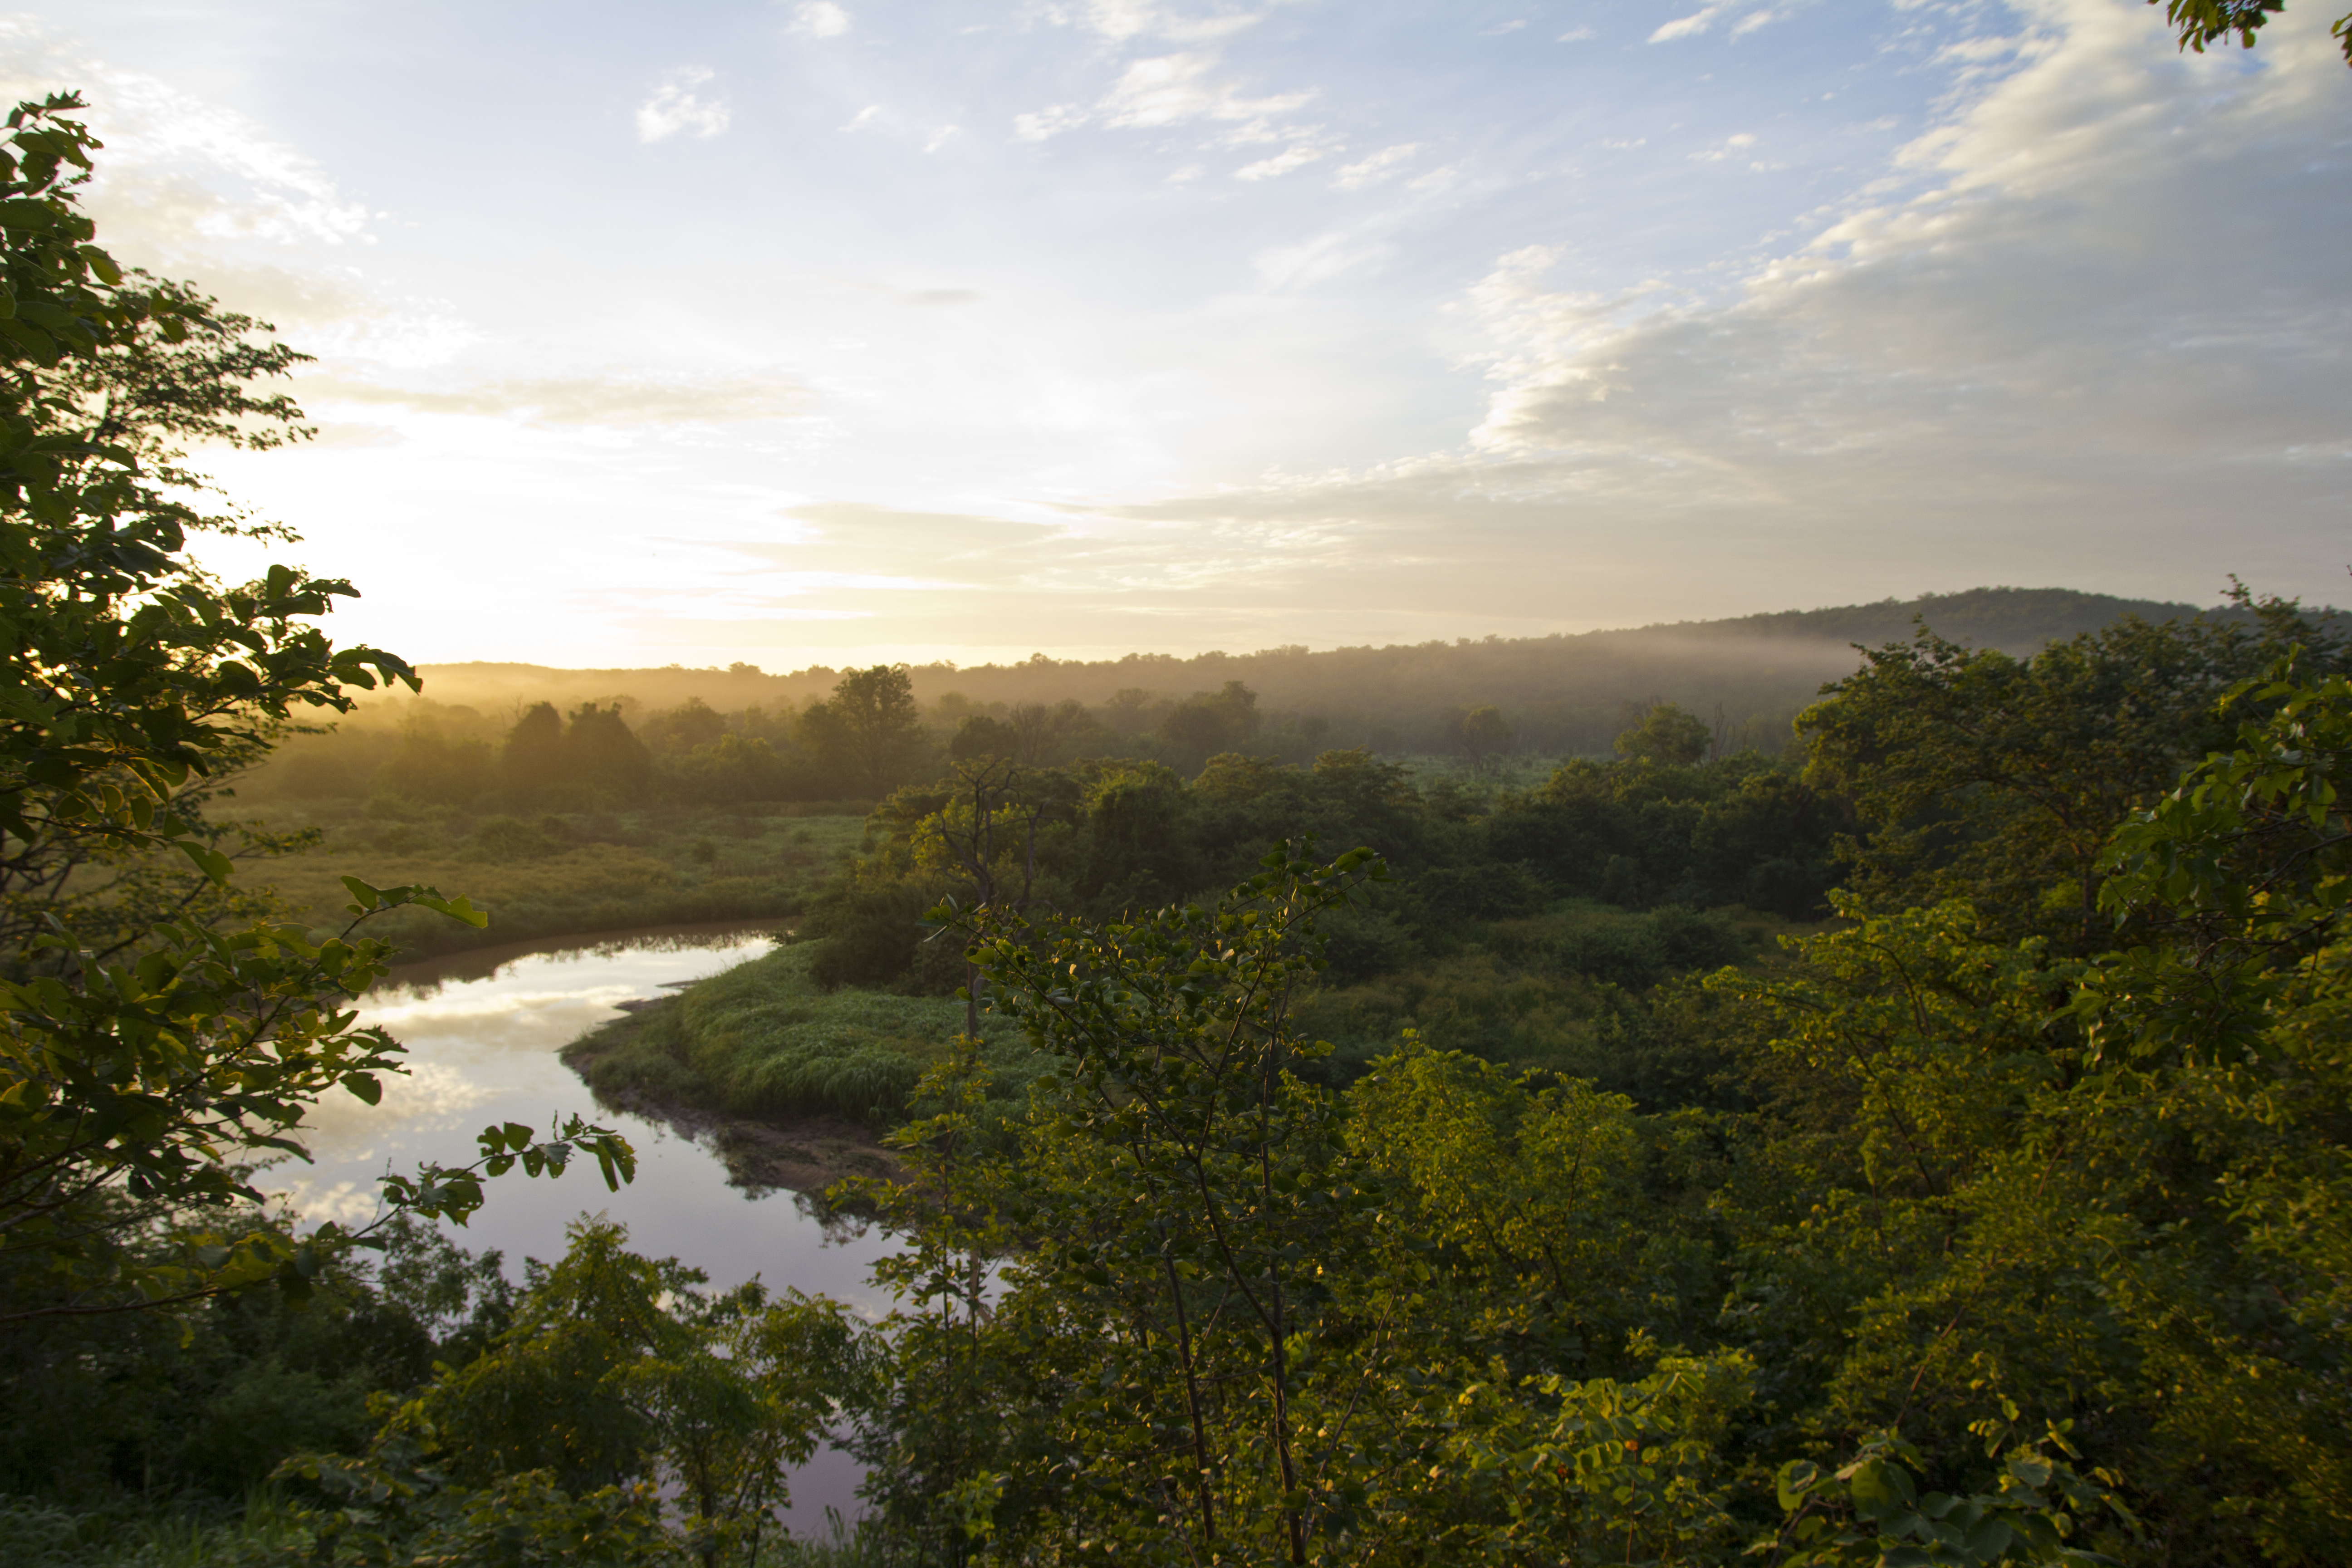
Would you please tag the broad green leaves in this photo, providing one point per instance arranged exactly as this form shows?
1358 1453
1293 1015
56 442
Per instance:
2245 868
1870 1513
2198 23
158 1040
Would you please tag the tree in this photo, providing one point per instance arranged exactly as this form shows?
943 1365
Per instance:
1977 775
532 760
618 1373
986 833
1208 1309
981 736
731 768
141 1069
1044 736
2202 22
870 730
1482 734
1167 1194
1667 733
691 724
1207 723
602 754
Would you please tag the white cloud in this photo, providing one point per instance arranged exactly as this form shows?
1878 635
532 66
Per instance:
1496 32
589 398
1171 90
1689 27
676 107
1297 155
1119 20
1042 123
2039 335
819 19
1577 35
191 189
1168 91
1380 166
180 170
1704 20
1318 260
1731 145
2029 362
940 136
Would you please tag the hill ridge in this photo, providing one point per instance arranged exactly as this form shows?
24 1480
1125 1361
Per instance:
1565 691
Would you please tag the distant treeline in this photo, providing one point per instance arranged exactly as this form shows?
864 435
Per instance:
1561 696
867 738
529 737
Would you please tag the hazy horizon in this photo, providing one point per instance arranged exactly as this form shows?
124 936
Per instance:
807 333
1717 646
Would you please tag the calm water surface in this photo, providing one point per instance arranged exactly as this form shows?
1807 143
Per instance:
482 1031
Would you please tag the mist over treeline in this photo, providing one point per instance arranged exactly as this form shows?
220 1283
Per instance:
538 737
1563 693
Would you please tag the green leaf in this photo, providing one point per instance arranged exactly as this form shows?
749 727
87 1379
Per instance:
1878 1489
1798 1477
210 861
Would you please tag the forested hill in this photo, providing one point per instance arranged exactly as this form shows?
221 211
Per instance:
2015 620
1563 693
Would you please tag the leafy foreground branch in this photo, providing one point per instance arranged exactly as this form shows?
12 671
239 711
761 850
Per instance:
158 1033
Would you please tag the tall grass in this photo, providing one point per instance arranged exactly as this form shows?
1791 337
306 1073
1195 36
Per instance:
764 1040
840 1545
560 875
43 1535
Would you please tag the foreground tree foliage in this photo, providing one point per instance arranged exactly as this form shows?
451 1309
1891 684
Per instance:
160 1031
1997 780
2019 1257
2199 23
616 1374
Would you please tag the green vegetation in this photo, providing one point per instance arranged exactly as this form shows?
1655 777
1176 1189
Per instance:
475 1416
1999 1254
160 1027
2201 22
764 1040
1930 1146
561 874
1564 695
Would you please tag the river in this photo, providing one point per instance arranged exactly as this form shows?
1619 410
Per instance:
482 1030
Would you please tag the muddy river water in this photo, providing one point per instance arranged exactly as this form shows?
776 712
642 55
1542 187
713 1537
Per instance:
482 1031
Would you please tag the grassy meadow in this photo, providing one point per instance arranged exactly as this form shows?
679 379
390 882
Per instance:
765 1041
555 873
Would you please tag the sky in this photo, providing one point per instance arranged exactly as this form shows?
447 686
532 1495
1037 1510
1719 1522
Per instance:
835 332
